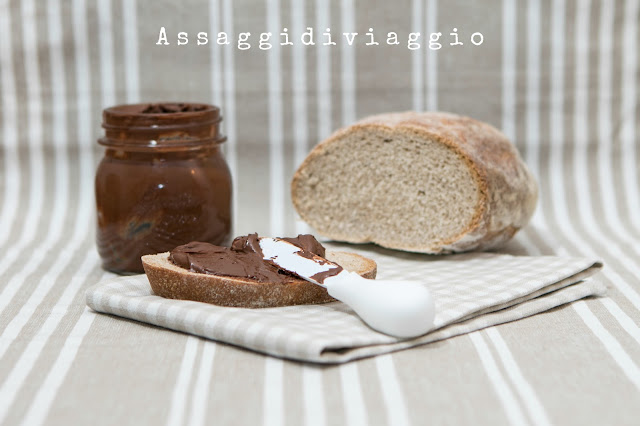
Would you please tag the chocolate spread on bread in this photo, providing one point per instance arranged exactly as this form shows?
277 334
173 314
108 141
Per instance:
244 259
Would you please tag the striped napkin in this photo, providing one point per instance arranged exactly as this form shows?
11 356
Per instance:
471 291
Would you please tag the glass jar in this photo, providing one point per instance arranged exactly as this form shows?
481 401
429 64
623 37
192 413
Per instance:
162 182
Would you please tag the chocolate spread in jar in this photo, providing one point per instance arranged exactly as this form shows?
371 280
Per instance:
162 182
243 259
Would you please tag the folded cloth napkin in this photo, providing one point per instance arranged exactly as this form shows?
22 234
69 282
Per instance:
471 291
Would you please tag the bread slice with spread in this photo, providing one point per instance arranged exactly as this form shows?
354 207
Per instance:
174 282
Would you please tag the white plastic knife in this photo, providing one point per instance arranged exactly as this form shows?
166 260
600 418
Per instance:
398 308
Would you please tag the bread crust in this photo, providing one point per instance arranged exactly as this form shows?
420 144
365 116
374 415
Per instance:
173 282
508 191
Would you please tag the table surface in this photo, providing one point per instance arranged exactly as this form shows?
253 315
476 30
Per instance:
565 91
64 364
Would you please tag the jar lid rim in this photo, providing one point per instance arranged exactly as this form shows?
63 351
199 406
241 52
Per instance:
134 115
177 144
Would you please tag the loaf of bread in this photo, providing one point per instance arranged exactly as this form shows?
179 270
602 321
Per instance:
423 182
173 282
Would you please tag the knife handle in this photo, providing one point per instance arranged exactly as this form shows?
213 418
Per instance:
398 308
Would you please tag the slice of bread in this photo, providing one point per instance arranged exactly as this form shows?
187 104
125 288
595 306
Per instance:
423 182
173 282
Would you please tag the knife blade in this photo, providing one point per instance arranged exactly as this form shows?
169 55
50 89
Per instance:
398 308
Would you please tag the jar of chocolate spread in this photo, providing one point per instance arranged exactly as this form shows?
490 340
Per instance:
162 182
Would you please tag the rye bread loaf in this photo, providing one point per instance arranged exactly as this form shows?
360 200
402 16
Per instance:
173 282
428 182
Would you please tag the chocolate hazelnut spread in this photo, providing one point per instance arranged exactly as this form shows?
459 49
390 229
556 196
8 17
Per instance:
244 259
162 182
172 108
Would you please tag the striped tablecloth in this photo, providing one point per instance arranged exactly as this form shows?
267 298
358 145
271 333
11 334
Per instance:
560 77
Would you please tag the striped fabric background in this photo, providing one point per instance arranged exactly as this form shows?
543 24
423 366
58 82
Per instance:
560 77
